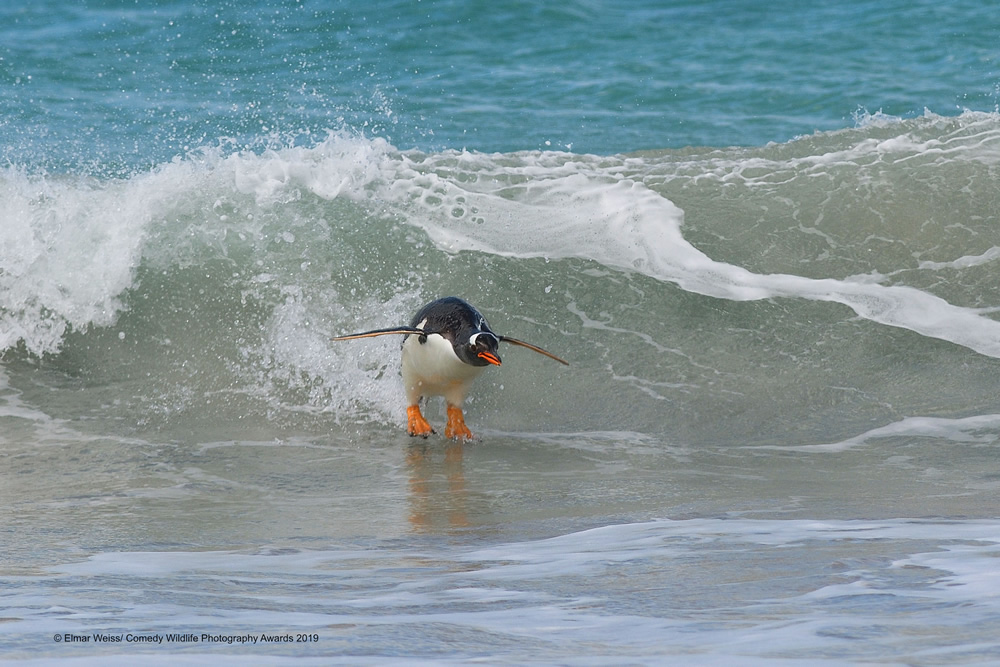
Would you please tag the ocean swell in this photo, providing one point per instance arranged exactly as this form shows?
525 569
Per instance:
72 247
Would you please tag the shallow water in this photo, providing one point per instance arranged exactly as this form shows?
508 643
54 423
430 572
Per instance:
581 548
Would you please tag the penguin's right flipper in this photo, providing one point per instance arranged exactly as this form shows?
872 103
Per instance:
382 332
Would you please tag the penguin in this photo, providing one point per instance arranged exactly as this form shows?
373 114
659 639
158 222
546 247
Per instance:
448 344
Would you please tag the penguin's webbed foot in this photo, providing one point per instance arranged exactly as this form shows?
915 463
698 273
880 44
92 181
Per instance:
416 424
456 428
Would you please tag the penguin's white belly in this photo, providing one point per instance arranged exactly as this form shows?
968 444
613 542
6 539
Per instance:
433 369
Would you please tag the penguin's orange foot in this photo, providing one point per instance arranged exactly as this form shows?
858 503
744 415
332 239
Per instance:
456 428
415 422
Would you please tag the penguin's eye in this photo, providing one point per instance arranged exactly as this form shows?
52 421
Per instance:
481 340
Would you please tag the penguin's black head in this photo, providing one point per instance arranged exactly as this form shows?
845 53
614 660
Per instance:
481 349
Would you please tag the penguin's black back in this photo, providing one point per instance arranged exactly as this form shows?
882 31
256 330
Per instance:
449 317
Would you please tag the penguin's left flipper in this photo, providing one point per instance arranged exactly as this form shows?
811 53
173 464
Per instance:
514 341
382 332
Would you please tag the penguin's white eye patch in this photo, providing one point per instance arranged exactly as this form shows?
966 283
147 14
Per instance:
475 337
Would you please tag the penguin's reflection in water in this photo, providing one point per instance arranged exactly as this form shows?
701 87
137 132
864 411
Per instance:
438 497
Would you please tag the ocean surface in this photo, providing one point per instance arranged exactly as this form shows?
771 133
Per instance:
765 236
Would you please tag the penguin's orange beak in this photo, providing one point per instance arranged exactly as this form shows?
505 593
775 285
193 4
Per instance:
489 357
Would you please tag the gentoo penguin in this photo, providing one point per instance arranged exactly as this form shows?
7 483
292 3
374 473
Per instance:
447 345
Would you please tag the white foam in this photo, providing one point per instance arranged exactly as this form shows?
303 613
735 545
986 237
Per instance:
70 245
965 261
584 210
350 373
975 429
965 550
631 541
713 590
68 248
551 205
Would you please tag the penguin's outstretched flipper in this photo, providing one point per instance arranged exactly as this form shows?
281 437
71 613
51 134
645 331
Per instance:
514 341
382 332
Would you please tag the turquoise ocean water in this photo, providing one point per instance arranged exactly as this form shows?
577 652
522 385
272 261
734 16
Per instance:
764 236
